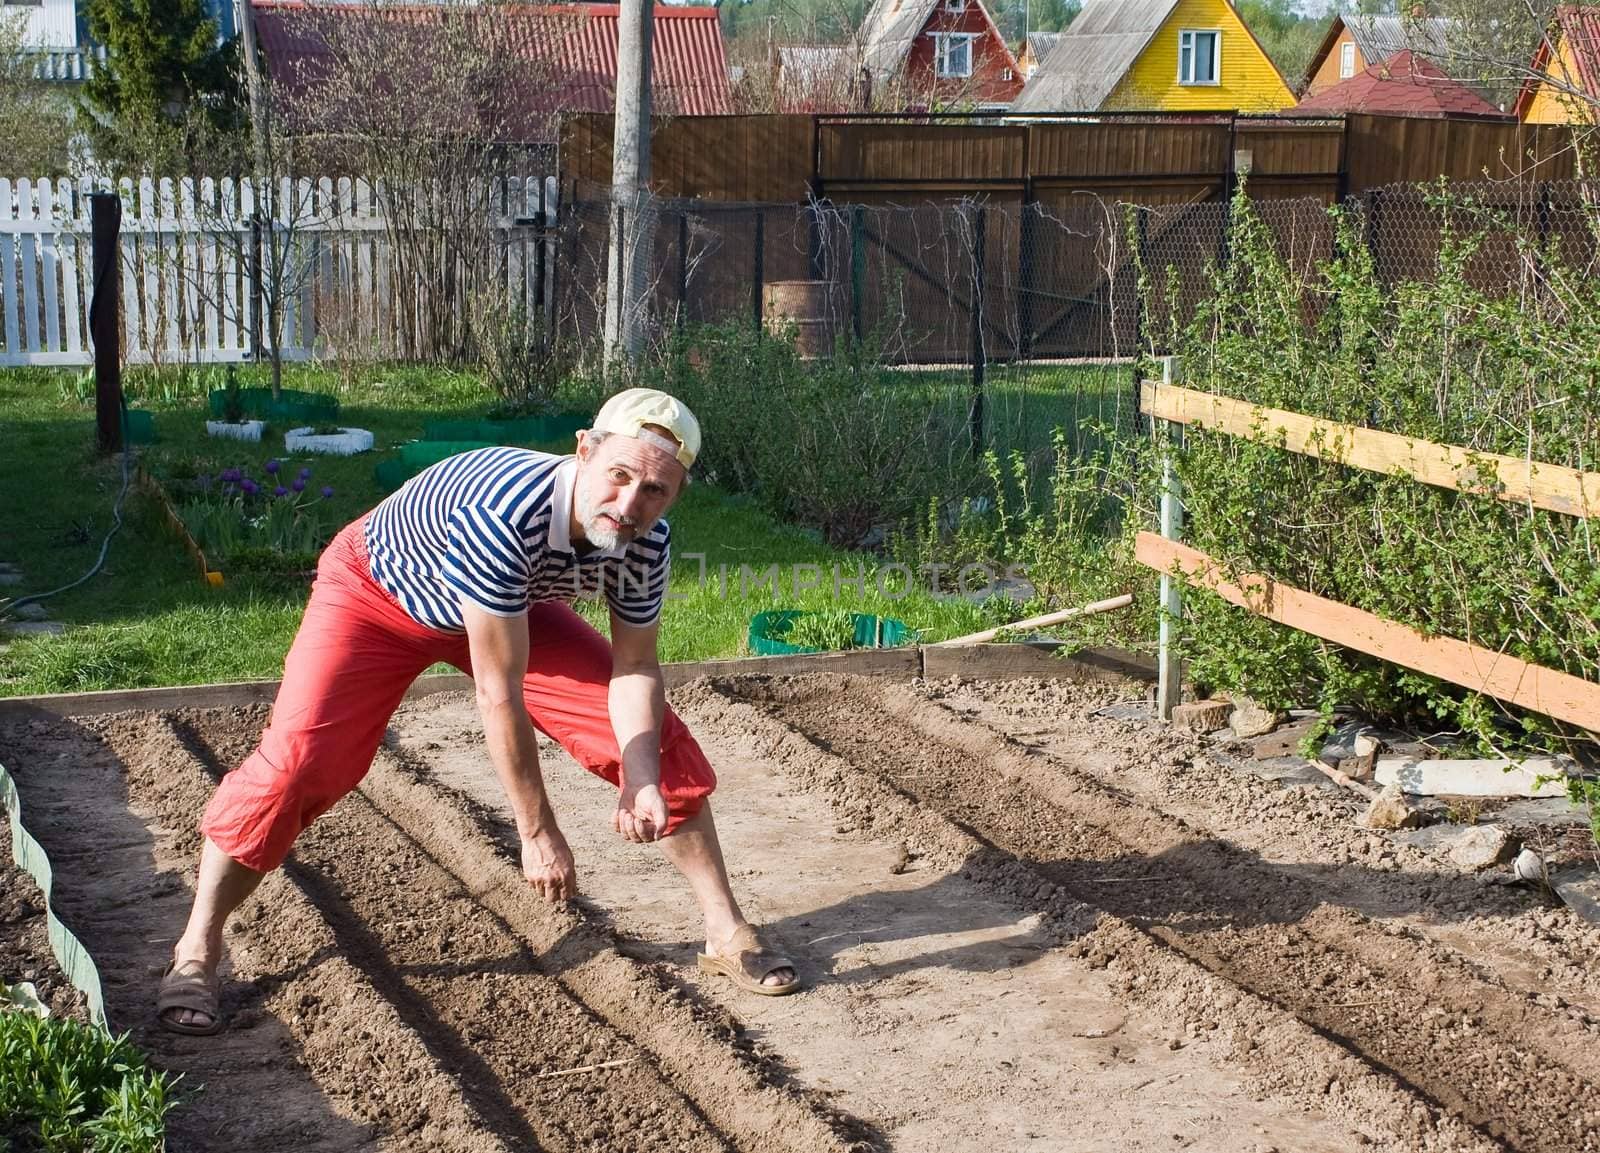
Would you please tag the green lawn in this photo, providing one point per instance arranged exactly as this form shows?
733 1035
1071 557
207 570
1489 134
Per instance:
148 619
1023 404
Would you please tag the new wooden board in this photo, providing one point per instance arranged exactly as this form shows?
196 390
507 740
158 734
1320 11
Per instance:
1555 694
1548 486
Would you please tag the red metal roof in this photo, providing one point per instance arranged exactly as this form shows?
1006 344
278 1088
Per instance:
1578 29
689 74
1403 85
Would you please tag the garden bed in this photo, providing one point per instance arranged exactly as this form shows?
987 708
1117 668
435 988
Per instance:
1031 915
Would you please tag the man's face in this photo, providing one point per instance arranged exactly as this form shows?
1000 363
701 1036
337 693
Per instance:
623 487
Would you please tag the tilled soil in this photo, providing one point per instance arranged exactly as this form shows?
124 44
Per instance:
1477 1056
25 939
1026 925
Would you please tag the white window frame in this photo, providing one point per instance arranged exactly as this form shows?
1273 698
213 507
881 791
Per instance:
942 42
1347 59
1186 40
955 5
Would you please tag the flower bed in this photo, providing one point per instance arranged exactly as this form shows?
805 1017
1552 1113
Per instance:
267 526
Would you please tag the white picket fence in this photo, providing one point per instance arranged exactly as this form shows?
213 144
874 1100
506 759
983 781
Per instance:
190 287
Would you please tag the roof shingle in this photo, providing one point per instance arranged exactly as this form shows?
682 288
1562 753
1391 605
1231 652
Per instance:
1403 85
689 75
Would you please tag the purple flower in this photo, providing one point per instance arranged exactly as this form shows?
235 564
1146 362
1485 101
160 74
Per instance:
250 487
327 491
280 491
231 475
305 473
273 466
299 484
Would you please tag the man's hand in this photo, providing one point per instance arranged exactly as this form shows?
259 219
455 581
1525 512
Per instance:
548 865
641 813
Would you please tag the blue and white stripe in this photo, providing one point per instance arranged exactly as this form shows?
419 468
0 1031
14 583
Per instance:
492 528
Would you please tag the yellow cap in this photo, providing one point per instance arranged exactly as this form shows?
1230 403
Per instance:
630 410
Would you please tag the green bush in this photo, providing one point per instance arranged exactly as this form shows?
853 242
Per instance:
1066 532
66 1087
519 358
1497 351
842 444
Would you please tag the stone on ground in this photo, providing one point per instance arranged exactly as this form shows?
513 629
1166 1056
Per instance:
1202 716
1250 719
1482 846
1391 810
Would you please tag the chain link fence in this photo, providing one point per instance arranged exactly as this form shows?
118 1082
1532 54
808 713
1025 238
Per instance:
1038 309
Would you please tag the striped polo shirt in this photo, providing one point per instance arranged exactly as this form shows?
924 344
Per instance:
492 527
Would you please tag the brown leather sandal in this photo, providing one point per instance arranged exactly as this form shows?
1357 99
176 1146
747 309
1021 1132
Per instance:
750 964
187 987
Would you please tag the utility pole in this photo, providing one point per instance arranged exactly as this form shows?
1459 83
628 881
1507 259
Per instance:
632 215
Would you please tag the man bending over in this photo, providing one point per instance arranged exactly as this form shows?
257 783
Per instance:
473 562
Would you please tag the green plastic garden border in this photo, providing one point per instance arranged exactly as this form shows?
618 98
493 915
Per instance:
894 633
70 954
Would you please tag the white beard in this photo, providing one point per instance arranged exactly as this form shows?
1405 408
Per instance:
595 531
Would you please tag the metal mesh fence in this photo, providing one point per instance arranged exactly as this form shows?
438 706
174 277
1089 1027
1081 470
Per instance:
1036 307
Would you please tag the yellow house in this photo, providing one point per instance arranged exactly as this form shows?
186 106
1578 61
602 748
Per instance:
1570 86
1156 55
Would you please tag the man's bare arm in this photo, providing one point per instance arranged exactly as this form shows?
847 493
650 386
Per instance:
499 650
637 702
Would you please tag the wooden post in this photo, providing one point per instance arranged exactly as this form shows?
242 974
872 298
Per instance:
1375 229
539 234
683 267
759 272
1141 233
550 252
858 266
105 224
627 271
979 358
1026 238
814 237
1169 682
619 245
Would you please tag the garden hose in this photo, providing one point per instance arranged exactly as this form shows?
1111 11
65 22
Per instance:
116 519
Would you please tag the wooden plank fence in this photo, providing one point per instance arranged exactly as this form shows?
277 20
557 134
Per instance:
197 263
1518 481
1147 158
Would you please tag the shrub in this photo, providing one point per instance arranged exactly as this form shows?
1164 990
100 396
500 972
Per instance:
1067 533
521 362
843 444
1494 357
66 1087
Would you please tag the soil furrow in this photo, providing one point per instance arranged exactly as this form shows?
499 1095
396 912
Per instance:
1105 930
1286 1059
351 1076
700 1052
1535 948
1455 1043
696 1064
439 947
1511 1069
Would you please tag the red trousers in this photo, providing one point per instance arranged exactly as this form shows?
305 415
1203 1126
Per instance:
356 653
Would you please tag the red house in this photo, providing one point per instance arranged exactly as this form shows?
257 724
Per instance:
574 46
931 54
